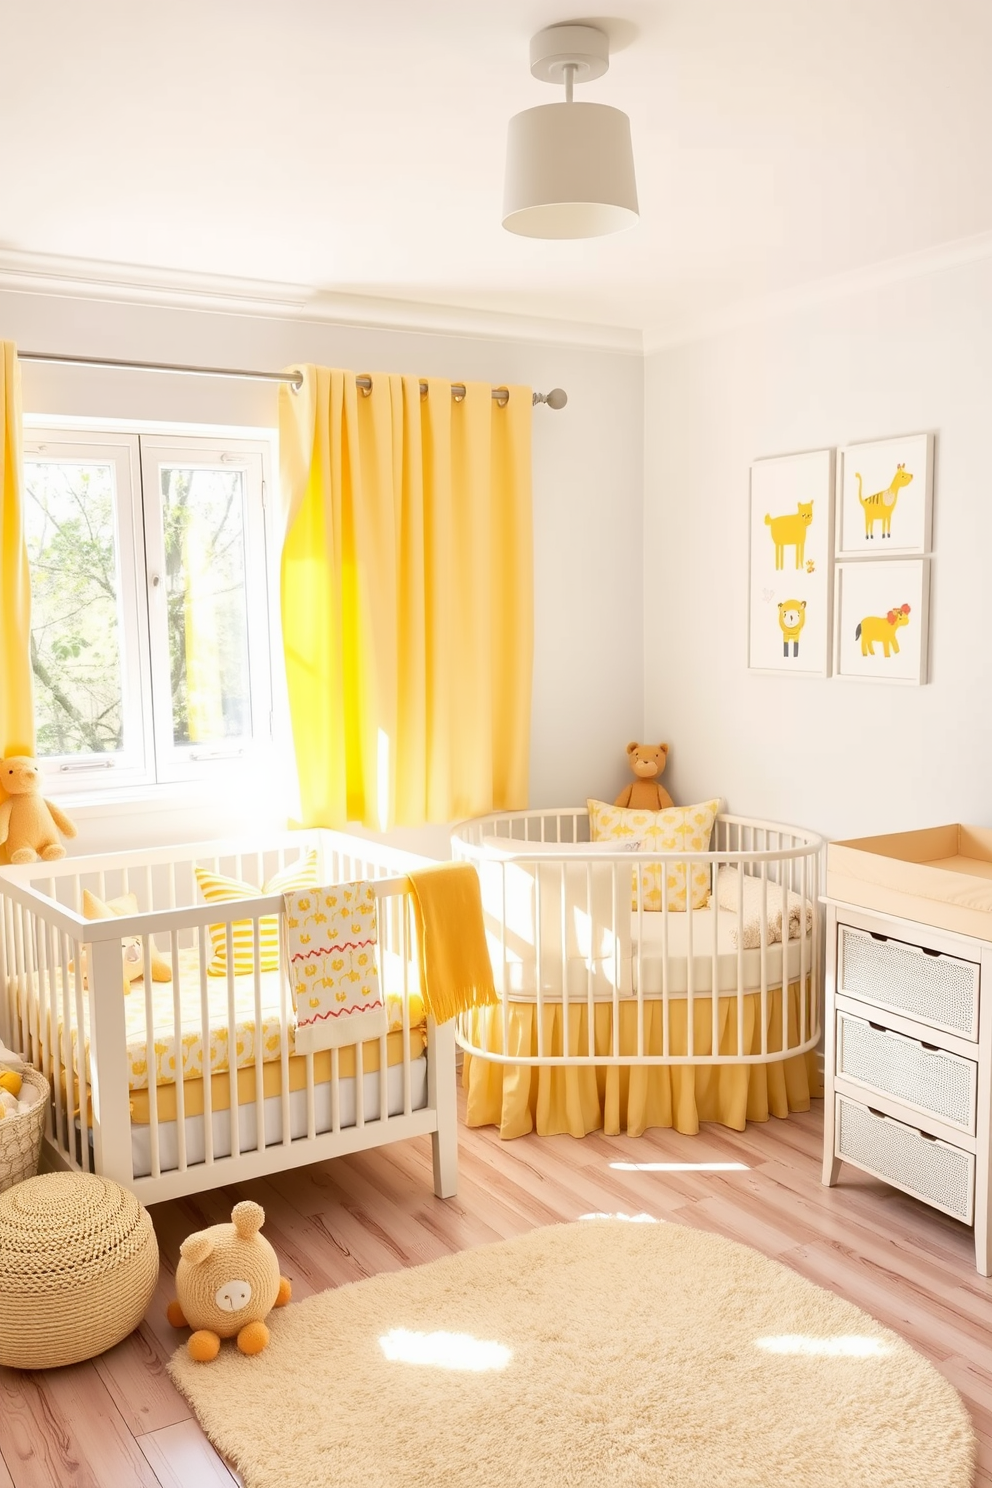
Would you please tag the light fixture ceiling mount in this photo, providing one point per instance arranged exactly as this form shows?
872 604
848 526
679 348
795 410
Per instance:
569 166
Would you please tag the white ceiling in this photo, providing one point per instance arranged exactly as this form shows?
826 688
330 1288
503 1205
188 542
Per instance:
357 145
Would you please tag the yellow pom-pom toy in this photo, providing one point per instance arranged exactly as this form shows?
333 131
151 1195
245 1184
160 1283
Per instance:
227 1283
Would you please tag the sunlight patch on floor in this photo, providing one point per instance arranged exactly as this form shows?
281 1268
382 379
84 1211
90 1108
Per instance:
630 1218
445 1350
847 1346
677 1167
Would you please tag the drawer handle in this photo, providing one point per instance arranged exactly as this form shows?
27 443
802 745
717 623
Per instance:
876 936
877 1027
929 951
880 1114
927 1137
930 1048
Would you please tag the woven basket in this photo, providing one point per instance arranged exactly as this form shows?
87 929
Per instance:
78 1267
21 1134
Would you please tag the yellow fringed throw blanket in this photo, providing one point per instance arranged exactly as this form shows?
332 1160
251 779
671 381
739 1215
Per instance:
455 971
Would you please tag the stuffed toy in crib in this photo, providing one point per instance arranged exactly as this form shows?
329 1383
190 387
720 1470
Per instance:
29 824
648 763
132 951
227 1283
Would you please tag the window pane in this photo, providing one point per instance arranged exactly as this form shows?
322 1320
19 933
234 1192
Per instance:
204 521
76 621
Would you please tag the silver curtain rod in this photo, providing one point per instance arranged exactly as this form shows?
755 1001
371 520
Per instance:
557 398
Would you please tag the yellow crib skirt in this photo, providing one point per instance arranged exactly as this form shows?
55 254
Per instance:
519 1098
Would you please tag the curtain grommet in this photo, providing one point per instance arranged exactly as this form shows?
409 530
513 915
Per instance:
501 396
361 381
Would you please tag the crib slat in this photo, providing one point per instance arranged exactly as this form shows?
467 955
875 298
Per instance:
84 1135
639 885
232 1043
206 1049
590 982
178 1037
256 956
151 1065
715 973
284 1028
740 957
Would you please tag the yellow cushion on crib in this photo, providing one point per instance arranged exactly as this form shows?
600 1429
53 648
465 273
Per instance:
216 888
677 827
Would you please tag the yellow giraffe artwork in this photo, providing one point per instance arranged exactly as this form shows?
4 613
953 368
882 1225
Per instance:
789 531
880 506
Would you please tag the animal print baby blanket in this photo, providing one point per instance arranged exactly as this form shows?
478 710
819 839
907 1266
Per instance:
331 945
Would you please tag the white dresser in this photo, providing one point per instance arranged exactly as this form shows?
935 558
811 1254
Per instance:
908 1061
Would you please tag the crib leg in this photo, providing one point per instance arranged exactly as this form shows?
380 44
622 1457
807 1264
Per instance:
442 1095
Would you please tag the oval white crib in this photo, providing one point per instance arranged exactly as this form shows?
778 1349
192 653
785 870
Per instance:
626 1004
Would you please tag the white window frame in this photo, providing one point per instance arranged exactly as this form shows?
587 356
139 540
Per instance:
135 764
188 761
152 759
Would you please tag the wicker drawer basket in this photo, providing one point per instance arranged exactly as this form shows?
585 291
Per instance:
21 1134
935 1081
939 990
929 1169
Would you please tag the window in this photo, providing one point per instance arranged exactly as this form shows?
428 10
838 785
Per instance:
149 627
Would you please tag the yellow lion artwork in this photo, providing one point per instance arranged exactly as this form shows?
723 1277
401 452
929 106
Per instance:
791 618
881 628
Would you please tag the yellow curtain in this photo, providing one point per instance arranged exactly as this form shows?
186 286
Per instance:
16 700
407 597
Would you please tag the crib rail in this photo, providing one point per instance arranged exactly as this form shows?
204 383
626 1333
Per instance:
171 1088
623 969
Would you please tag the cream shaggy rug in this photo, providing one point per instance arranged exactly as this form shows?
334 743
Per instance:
602 1354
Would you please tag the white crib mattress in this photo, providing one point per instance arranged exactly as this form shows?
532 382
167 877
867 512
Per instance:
649 958
194 1126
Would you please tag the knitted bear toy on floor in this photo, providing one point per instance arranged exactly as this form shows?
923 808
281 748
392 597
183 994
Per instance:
227 1283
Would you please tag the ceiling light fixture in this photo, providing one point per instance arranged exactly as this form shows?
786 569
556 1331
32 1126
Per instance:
569 166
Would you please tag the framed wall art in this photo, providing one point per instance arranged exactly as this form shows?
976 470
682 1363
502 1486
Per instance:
881 625
885 503
791 531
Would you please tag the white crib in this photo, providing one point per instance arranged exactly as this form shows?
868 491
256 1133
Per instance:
613 984
143 1088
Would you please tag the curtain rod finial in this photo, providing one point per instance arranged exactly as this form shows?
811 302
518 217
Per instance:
557 398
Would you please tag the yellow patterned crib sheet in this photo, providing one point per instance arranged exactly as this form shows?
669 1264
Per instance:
191 1021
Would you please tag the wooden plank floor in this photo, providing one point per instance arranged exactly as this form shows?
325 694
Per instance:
118 1420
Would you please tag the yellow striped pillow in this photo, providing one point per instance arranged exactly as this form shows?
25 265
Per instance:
215 889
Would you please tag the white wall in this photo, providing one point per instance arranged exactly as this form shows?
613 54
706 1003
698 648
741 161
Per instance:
845 758
588 484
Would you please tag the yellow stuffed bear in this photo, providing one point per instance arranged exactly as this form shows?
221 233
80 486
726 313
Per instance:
29 824
647 761
227 1282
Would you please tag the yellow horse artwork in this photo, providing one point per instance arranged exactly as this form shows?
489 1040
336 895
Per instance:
882 629
789 531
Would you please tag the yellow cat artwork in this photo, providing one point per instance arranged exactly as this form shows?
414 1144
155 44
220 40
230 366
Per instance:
789 531
880 506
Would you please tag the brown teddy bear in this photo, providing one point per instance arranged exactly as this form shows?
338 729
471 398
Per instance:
29 824
227 1282
645 794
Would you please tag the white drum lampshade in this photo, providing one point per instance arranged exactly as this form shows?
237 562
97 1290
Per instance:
569 172
569 166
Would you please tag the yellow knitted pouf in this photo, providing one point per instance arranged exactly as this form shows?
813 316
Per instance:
78 1266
